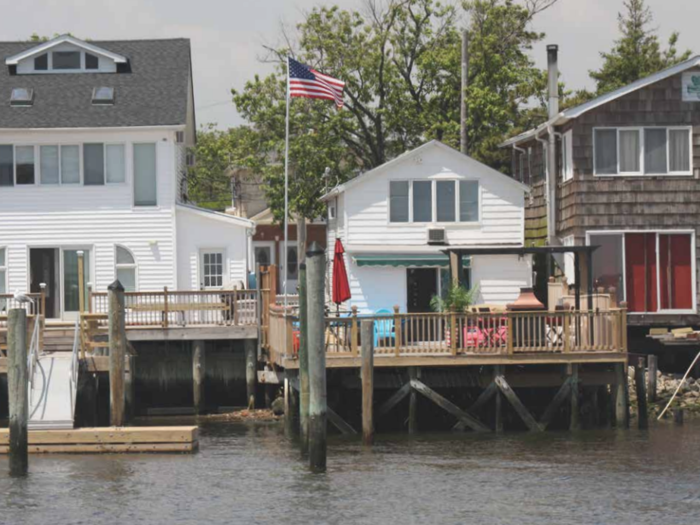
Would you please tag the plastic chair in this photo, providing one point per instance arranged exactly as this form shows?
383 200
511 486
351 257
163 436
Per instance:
383 328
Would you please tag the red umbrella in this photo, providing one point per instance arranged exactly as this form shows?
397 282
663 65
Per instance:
341 288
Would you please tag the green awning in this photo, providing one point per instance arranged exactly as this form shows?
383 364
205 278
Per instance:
398 260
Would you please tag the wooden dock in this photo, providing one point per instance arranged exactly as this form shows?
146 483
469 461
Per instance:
183 439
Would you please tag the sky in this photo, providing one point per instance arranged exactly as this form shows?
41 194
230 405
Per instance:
228 36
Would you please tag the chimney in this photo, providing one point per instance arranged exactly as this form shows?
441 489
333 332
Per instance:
553 79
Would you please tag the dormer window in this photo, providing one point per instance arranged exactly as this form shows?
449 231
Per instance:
41 63
22 97
66 59
103 96
91 61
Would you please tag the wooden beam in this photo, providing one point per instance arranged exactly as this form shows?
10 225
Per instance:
413 373
498 409
394 400
103 435
515 402
449 406
561 395
339 422
483 398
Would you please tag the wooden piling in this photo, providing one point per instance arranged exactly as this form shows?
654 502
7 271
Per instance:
367 375
288 392
251 371
315 277
198 375
575 423
303 363
18 390
653 367
413 373
641 386
678 416
621 398
117 354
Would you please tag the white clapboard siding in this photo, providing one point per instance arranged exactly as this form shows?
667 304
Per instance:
500 277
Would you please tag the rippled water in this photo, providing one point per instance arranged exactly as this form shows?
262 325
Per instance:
251 474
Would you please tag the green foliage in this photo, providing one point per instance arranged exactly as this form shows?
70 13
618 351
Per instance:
457 299
637 53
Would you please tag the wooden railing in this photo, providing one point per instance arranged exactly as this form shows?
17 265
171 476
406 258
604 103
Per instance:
183 308
462 333
34 307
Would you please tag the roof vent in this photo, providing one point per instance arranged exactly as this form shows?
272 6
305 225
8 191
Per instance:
102 96
22 97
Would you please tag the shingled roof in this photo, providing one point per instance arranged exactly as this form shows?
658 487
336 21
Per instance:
152 89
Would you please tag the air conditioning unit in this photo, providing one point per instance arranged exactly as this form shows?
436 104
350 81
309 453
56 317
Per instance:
436 236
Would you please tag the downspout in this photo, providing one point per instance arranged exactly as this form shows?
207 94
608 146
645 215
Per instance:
553 111
545 145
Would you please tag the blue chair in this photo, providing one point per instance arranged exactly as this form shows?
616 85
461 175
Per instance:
383 328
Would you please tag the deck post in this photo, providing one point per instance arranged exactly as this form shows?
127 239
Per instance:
575 423
198 375
42 303
621 401
455 264
413 374
165 307
641 387
18 388
367 375
397 331
251 371
316 326
117 354
303 362
653 366
81 281
499 370
353 331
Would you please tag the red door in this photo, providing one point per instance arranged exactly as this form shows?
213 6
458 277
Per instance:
675 272
640 270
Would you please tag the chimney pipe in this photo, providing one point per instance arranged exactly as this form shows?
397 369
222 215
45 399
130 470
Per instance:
553 79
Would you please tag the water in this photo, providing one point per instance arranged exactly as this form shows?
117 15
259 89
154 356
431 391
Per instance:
249 474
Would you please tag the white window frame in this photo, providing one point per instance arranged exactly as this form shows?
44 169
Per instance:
642 173
50 69
224 275
124 266
36 164
567 149
433 212
60 166
693 261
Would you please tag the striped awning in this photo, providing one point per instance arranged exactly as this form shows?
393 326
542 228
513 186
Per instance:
398 260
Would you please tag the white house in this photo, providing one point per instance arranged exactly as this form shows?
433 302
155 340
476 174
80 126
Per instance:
93 157
396 220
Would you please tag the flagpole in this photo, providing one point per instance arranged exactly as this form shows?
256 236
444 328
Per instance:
286 192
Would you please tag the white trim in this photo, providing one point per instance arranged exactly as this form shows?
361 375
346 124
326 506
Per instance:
46 46
209 214
100 129
224 267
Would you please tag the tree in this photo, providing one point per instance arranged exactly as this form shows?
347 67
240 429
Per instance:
637 53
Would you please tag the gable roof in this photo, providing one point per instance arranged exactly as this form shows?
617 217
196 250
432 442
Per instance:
216 215
412 153
150 89
575 112
45 46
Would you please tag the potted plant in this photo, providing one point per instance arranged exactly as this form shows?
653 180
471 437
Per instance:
457 299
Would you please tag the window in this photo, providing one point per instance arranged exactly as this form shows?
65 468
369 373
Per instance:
41 63
468 201
567 162
21 97
3 271
126 269
49 164
608 262
213 269
115 163
24 156
7 166
446 201
422 201
94 164
103 96
70 164
91 61
66 59
637 151
292 263
145 175
398 201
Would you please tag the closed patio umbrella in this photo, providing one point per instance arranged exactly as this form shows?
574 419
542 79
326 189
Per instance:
341 287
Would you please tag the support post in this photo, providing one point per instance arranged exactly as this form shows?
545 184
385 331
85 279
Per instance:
621 401
117 354
577 298
251 371
413 374
653 367
641 388
303 361
18 388
455 267
498 422
367 374
288 407
315 267
575 412
198 375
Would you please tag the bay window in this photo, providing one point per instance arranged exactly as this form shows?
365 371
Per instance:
442 201
642 151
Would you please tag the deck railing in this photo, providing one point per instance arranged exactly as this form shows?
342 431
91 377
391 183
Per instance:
34 307
461 333
183 308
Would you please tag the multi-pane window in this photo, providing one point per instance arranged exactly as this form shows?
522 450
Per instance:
145 175
213 269
424 201
125 269
49 164
642 151
70 164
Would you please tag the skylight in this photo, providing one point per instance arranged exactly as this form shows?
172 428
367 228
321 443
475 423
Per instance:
22 97
103 95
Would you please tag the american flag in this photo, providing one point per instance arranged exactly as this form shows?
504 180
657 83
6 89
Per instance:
309 83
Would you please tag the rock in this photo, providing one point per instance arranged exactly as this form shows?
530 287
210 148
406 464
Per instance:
278 406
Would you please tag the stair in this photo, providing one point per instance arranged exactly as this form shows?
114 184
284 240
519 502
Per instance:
58 339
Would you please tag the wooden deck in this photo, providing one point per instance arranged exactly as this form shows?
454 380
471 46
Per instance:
109 440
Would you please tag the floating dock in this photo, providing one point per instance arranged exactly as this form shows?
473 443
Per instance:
183 439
